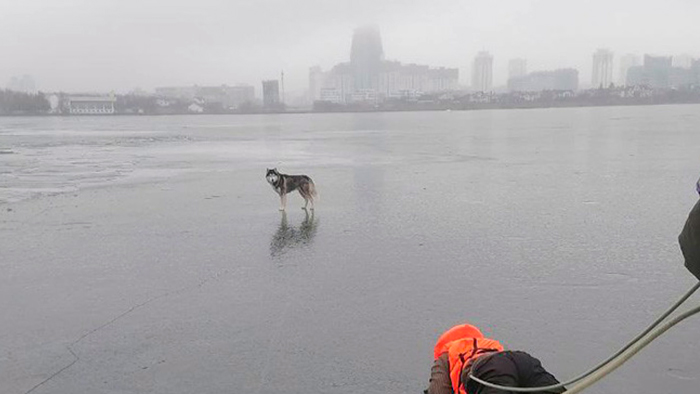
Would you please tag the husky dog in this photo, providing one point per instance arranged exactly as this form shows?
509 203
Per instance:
284 184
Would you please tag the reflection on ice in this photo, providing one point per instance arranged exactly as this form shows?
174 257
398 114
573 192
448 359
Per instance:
288 237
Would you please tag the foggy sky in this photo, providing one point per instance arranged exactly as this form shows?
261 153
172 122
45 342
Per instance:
100 45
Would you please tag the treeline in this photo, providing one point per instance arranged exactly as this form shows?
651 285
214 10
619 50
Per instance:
19 103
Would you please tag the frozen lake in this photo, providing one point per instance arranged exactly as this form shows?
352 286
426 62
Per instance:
147 255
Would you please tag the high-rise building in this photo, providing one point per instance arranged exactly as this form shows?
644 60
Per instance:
658 62
655 72
682 61
482 72
517 68
627 61
366 56
602 68
271 93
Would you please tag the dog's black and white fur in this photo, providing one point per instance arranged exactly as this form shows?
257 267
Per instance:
284 184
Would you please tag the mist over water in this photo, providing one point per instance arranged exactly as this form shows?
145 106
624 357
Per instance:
97 45
146 254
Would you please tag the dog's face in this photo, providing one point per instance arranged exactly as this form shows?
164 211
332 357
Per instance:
272 176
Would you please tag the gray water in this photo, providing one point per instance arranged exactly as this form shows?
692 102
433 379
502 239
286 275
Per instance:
147 255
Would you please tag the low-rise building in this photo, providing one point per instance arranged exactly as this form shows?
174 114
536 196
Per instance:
91 105
562 79
331 95
229 97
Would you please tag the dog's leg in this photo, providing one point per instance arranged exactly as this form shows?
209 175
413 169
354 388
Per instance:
306 200
303 193
308 196
283 202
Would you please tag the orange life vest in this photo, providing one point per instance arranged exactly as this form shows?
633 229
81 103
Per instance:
462 351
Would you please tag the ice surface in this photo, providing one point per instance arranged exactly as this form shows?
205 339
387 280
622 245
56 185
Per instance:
147 255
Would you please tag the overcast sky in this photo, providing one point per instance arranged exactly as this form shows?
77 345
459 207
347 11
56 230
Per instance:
101 45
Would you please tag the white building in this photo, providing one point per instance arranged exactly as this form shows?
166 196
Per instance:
482 72
195 108
602 68
331 95
91 105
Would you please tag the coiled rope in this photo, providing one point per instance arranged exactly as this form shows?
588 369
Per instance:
613 362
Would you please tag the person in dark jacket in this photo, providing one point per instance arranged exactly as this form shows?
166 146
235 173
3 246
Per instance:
463 350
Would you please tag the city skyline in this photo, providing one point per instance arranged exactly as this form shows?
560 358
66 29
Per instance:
79 45
614 70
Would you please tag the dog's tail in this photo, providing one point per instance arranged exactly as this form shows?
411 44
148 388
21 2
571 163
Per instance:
313 191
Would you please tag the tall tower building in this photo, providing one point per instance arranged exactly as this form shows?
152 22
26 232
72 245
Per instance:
366 56
517 68
271 93
482 72
627 61
602 68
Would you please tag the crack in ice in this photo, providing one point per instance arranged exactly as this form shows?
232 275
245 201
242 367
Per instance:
76 358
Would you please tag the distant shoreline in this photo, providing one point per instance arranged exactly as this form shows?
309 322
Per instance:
369 110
